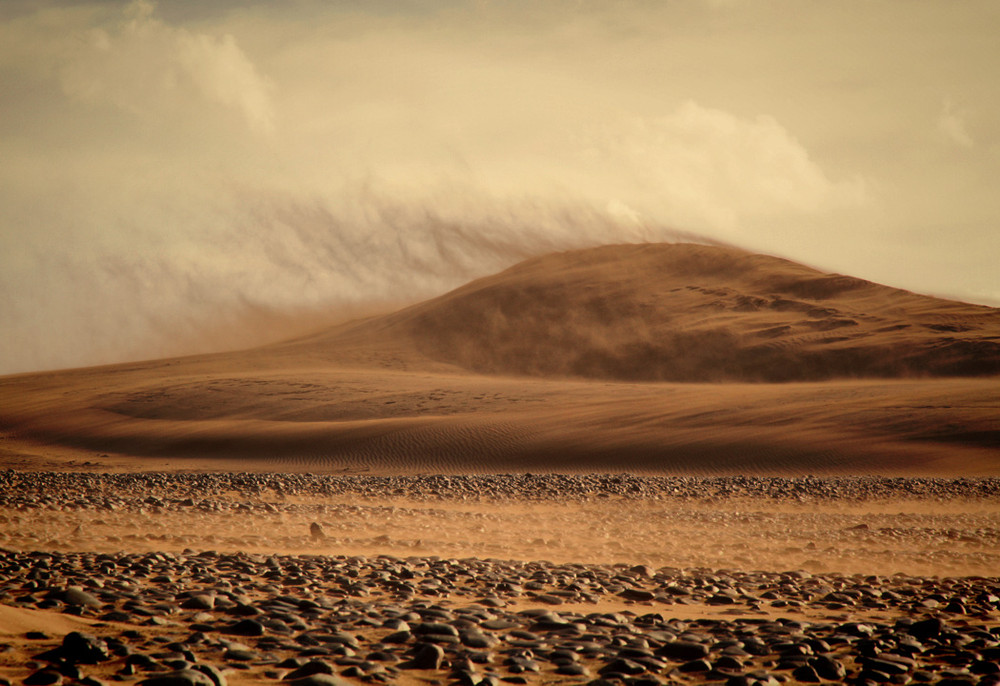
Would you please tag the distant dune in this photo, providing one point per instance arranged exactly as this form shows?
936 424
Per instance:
578 361
685 312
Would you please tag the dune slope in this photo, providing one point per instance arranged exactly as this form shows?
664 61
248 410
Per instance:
685 312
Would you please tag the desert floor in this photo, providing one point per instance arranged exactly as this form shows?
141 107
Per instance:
497 579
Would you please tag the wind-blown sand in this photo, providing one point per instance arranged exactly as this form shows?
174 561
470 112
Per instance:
579 361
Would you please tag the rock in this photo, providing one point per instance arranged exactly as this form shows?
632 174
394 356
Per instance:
212 673
425 656
316 532
81 648
695 666
828 668
622 666
318 680
79 597
246 627
477 639
308 669
927 628
183 677
202 601
44 677
436 628
806 673
682 651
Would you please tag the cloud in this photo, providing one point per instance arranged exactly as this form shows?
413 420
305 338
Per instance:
150 69
951 123
705 167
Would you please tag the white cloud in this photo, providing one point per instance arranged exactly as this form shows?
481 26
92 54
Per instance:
951 123
710 168
149 68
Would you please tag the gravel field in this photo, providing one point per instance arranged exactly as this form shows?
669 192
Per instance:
208 579
29 487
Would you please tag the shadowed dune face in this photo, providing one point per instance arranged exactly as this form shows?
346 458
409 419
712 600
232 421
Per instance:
571 362
683 312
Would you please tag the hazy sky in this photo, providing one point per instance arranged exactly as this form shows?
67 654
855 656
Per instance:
173 175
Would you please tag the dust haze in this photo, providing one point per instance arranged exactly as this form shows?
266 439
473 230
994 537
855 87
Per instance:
179 178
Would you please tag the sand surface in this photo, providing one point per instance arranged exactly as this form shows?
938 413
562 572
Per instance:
230 412
572 362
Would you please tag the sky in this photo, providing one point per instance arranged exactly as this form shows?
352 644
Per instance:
187 176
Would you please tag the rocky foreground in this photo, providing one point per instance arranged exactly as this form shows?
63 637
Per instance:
208 617
27 488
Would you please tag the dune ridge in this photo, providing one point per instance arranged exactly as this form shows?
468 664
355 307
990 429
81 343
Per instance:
690 312
573 362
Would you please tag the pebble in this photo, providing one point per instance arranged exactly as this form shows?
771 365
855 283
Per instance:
191 618
133 491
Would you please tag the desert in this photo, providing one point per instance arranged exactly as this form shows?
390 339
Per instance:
640 464
479 343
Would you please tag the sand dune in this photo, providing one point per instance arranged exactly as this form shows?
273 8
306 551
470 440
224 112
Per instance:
685 312
579 361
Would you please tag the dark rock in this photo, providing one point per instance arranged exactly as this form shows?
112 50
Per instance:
318 680
925 629
81 648
425 656
695 666
44 677
477 639
805 673
202 601
310 668
683 651
212 673
622 666
79 597
184 677
246 627
828 668
435 628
